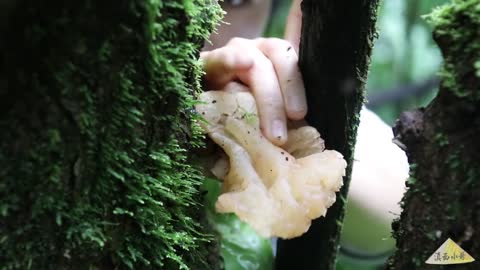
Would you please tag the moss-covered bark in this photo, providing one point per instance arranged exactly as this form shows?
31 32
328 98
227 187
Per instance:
95 124
336 44
442 142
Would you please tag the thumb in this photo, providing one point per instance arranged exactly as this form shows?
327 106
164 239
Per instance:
293 28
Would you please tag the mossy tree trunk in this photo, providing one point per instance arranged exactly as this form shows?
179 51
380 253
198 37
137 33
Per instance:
442 143
335 48
95 124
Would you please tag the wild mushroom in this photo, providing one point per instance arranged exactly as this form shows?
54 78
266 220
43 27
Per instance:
278 191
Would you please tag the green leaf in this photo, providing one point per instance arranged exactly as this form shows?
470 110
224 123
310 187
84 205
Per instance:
241 247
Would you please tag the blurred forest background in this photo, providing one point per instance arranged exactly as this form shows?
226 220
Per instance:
403 76
405 58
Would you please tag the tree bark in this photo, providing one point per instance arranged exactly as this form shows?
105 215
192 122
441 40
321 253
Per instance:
443 196
95 124
336 44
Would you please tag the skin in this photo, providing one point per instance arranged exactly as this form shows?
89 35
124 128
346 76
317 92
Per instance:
266 66
237 59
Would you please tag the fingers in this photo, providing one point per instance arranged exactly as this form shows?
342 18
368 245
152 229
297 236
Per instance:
269 68
263 82
293 28
222 65
285 61
241 60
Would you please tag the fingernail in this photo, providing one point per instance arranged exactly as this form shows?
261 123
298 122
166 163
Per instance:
279 130
297 105
296 111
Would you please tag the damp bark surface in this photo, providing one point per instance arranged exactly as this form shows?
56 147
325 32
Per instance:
335 48
442 144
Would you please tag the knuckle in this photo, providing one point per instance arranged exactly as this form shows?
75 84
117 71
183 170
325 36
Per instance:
236 41
204 55
277 44
226 56
214 54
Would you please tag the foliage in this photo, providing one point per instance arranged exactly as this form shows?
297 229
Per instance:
241 247
404 54
95 134
456 26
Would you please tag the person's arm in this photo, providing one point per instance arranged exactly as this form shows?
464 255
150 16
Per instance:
293 28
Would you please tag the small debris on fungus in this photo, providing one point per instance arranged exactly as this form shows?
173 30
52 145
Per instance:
276 198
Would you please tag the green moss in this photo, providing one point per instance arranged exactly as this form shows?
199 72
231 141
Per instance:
411 182
95 142
455 26
442 139
477 68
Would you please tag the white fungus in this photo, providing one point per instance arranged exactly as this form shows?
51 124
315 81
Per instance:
278 191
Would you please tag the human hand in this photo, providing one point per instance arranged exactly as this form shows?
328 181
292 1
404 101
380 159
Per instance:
269 68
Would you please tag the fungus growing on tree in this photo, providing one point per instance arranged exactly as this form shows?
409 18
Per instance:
278 191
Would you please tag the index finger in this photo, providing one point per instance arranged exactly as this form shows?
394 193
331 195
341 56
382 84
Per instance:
293 29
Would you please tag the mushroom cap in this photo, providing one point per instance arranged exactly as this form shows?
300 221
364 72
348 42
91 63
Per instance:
277 190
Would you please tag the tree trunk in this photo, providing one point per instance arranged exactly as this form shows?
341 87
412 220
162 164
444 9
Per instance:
443 196
95 124
337 39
